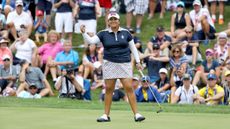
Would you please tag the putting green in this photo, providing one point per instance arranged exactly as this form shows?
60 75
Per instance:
53 118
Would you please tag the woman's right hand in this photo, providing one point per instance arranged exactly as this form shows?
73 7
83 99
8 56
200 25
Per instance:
82 28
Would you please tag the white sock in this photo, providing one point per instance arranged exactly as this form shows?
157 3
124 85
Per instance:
138 115
213 16
104 116
221 16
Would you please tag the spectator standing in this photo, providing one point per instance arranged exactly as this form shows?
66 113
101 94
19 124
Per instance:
138 9
226 86
221 10
152 7
87 11
64 17
106 4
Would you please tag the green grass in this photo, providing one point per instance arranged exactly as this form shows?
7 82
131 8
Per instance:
47 118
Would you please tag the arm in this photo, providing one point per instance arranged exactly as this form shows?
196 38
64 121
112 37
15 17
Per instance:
175 99
37 24
58 4
134 51
71 3
187 19
172 81
12 46
47 85
90 39
173 24
162 59
216 97
165 87
59 83
34 56
22 75
150 46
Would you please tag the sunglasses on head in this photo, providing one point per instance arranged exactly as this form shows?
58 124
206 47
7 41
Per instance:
6 60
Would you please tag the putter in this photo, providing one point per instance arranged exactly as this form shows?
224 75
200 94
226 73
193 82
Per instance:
159 105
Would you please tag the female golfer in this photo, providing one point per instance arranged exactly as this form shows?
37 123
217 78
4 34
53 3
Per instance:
117 44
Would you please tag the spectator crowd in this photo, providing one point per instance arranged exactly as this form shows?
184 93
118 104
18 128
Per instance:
36 60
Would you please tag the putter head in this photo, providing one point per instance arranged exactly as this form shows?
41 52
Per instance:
160 110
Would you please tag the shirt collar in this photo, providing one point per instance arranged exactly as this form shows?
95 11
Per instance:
110 30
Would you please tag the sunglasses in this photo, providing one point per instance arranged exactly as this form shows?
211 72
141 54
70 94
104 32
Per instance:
6 60
32 87
209 54
180 6
211 79
156 48
176 51
113 18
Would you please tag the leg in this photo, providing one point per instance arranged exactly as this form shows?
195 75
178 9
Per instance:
205 26
194 55
45 37
152 7
163 5
110 85
106 17
139 18
221 11
213 11
13 30
129 16
22 87
127 83
196 78
37 37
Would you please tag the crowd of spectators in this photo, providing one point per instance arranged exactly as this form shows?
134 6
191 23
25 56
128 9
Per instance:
176 70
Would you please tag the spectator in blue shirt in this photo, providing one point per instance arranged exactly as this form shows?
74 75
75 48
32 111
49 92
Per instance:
144 93
66 57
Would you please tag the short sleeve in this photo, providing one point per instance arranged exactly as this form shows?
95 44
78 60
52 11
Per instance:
153 39
129 36
202 92
40 74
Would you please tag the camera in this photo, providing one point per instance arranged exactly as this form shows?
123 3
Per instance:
70 69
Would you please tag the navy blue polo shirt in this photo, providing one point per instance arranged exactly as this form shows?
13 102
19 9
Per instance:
116 45
156 39
64 7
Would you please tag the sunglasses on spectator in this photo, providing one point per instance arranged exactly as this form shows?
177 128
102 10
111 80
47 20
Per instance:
6 60
188 32
32 87
180 6
113 18
211 79
156 48
175 51
209 54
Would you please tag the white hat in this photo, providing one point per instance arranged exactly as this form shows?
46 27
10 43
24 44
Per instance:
97 64
163 70
0 6
223 35
19 2
196 2
113 14
5 57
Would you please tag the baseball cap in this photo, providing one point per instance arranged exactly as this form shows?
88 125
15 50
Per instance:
156 46
222 35
19 2
163 70
227 73
145 78
113 14
3 40
160 28
33 85
180 4
210 51
135 77
196 2
211 76
97 64
39 13
186 76
5 57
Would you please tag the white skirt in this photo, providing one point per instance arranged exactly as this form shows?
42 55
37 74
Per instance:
112 70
